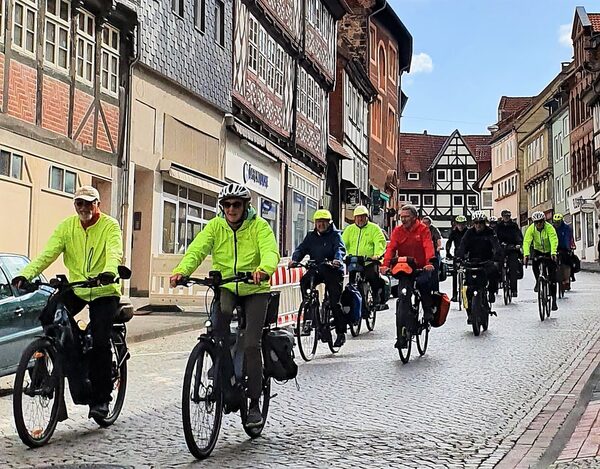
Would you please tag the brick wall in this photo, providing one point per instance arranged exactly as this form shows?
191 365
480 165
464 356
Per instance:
111 113
81 105
1 80
336 103
102 142
22 91
55 106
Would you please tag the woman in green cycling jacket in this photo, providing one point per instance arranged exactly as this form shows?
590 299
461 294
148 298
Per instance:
238 241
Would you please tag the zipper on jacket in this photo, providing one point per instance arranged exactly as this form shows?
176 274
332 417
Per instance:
358 242
235 261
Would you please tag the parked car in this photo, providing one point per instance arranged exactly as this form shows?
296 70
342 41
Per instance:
19 312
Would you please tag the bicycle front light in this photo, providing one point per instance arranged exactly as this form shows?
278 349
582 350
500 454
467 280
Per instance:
208 324
403 291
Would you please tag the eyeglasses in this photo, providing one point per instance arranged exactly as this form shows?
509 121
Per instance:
236 204
84 203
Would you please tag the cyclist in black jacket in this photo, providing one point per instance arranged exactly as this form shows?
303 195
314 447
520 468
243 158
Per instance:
456 236
510 235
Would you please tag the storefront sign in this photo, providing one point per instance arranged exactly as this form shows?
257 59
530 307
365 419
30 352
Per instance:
254 175
352 198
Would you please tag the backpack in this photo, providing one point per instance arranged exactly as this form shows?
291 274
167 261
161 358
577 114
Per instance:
441 303
278 355
351 303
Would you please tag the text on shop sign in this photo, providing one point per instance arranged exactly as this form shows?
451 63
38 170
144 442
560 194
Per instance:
251 174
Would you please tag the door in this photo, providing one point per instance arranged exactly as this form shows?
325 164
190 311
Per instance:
12 327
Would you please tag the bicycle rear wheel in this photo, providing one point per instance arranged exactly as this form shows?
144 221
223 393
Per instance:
118 377
202 401
355 327
548 300
329 327
476 311
307 331
265 399
38 393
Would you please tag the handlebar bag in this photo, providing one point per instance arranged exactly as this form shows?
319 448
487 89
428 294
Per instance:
278 354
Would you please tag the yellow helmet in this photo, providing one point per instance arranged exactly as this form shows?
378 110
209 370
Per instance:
361 210
322 214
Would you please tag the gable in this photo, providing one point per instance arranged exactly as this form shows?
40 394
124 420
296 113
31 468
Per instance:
455 152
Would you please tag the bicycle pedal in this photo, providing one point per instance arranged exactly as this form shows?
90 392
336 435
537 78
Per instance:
493 313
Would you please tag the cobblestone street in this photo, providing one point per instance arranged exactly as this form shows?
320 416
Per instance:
463 404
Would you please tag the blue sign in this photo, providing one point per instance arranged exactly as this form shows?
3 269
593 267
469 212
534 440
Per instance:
253 175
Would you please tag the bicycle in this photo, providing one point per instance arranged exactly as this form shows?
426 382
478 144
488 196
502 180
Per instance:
563 273
544 280
506 272
314 321
214 382
410 320
62 351
356 267
480 309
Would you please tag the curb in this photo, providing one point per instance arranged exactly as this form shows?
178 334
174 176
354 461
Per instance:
157 334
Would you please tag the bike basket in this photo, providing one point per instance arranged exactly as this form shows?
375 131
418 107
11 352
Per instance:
272 308
278 355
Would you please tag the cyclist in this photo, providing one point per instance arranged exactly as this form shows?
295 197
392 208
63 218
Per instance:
91 245
510 235
542 236
413 239
324 244
493 222
238 241
566 245
436 238
456 236
364 238
480 243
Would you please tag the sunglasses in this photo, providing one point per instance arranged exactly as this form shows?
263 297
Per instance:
84 203
236 204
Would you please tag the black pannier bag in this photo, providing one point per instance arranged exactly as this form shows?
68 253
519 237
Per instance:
278 355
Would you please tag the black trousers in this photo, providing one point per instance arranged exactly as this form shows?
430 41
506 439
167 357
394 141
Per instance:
102 312
514 264
538 258
334 283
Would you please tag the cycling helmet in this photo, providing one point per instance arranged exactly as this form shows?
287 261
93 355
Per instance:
506 213
479 216
460 219
361 210
538 216
493 219
322 214
234 191
557 217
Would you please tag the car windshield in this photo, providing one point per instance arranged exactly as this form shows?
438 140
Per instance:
12 265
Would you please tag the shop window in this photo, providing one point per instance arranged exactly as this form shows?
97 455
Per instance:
269 211
11 165
56 41
577 226
62 180
24 26
303 209
589 226
86 41
186 212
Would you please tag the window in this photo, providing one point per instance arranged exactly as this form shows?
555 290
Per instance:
303 209
589 228
472 201
86 40
566 126
320 18
428 200
56 42
266 60
11 165
185 213
373 42
177 6
382 68
109 73
457 200
62 180
200 15
391 132
471 175
268 211
220 23
310 98
413 176
567 163
414 199
487 199
253 44
24 26
441 175
457 174
376 118
577 226
392 63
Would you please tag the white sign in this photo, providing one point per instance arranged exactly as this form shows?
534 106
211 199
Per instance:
587 207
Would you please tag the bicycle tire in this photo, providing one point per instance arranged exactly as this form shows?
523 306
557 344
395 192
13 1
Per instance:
476 307
459 282
46 349
307 345
541 299
118 377
213 398
330 327
370 320
548 300
422 334
404 353
403 301
355 328
255 432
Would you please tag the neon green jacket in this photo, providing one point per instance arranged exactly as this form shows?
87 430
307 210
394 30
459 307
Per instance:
544 241
250 248
366 241
86 254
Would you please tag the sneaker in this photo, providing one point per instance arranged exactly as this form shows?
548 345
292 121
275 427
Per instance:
454 299
340 340
536 288
99 411
514 293
401 343
492 297
382 307
254 418
554 305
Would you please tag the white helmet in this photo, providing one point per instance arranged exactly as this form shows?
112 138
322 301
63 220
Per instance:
493 219
234 191
479 216
538 216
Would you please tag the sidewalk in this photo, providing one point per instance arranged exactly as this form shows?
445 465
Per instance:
590 266
155 325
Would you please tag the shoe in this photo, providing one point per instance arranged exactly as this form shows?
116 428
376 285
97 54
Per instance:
99 411
454 299
382 307
340 340
514 293
254 418
554 306
536 288
469 319
401 343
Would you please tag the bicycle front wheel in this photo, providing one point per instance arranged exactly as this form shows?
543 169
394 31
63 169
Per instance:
542 298
476 311
372 311
423 336
118 377
202 401
307 331
38 393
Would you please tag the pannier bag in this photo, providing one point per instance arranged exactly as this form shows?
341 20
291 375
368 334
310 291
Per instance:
575 263
278 355
441 303
387 288
351 303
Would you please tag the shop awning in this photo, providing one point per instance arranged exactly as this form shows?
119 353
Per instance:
384 196
189 176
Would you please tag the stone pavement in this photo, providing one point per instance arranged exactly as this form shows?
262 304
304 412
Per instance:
466 403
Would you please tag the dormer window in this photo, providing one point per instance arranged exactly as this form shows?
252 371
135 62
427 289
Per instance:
413 176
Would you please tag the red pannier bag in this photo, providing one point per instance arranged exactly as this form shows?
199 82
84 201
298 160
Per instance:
442 306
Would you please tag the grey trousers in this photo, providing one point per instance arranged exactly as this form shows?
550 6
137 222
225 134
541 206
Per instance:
255 307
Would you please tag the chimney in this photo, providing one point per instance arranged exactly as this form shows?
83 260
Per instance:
425 132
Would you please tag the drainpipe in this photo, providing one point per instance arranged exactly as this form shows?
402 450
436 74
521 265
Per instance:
372 14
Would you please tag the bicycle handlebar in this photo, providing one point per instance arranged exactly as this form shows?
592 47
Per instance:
310 264
215 279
